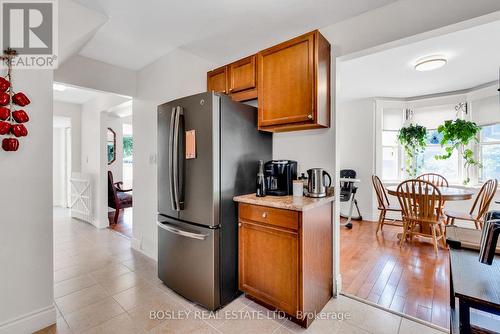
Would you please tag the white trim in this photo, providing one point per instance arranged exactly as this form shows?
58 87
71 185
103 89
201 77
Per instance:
30 322
399 314
136 244
336 272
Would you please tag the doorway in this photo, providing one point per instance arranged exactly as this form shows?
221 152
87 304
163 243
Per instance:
119 121
61 161
381 92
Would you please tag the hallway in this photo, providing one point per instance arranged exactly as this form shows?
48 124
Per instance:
101 285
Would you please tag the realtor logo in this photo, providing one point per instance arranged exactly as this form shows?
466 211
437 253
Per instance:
30 28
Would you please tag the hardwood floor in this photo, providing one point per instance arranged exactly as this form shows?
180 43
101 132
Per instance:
411 279
124 225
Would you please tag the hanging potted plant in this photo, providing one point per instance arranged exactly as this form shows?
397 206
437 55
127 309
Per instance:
413 139
457 135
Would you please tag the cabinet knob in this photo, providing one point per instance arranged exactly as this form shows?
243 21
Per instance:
239 224
310 116
264 215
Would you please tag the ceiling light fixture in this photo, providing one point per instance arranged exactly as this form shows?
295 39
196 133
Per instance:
59 87
430 63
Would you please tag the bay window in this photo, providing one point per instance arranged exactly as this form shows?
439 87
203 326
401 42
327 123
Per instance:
483 108
485 112
390 155
391 150
489 152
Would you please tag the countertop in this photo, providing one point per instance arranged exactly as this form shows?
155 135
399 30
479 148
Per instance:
285 202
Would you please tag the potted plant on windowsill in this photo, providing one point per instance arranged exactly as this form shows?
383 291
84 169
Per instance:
413 139
457 135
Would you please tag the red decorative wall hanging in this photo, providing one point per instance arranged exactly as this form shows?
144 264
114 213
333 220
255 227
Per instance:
12 118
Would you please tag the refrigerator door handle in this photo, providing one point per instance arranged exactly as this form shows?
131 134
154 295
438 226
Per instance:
176 173
173 200
181 232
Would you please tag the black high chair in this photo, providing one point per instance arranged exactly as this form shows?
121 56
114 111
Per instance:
348 194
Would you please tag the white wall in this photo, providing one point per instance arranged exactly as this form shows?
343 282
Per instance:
357 148
311 148
74 112
173 76
85 72
59 167
26 279
91 158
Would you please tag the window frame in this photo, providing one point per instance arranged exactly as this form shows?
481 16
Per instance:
459 161
399 149
479 151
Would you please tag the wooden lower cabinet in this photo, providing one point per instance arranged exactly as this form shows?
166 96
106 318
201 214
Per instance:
286 266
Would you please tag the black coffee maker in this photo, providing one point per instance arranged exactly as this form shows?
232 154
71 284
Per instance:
279 176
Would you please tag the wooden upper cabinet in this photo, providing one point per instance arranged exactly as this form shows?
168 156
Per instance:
291 81
238 79
294 84
217 80
242 75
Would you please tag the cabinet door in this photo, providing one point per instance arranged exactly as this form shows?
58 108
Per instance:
269 265
286 82
242 75
217 80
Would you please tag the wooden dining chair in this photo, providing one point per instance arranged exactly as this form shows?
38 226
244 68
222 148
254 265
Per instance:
479 208
435 179
384 205
421 203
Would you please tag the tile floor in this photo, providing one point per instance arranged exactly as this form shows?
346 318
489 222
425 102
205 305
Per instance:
101 285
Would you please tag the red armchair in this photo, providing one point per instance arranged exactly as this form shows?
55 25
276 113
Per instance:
118 198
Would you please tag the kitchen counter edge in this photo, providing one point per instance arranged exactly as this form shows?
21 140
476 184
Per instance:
285 202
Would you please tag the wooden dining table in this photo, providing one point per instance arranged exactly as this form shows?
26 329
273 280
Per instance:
448 193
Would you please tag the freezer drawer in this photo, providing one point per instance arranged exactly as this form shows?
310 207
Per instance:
188 261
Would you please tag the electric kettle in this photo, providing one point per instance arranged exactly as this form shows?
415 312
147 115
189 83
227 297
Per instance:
316 185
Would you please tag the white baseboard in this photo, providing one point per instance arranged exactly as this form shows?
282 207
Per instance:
30 322
337 285
137 245
99 225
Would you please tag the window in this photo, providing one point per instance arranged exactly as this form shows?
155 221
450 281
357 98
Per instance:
489 152
428 163
392 118
390 155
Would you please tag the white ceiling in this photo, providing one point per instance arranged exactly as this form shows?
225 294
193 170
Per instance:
473 59
139 32
77 25
76 95
122 110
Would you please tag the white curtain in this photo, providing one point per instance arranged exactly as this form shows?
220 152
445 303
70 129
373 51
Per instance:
432 117
485 111
392 119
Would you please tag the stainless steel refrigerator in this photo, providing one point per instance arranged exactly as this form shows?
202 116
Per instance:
208 152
